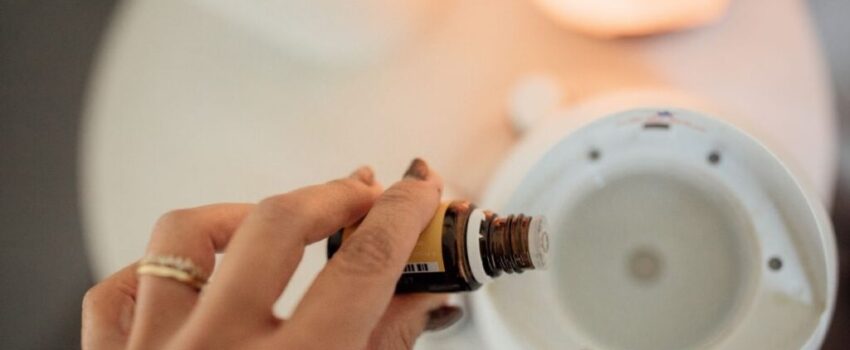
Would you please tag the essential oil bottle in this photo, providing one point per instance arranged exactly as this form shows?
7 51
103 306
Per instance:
464 247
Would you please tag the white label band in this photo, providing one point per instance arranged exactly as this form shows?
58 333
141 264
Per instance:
473 246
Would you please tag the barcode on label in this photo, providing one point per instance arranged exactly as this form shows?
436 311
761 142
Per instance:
421 267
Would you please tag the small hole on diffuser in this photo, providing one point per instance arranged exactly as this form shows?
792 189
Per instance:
714 158
594 154
775 263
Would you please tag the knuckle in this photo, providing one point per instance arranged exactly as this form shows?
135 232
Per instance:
369 251
407 200
348 185
346 189
397 336
92 297
399 197
285 205
174 224
175 219
406 337
351 191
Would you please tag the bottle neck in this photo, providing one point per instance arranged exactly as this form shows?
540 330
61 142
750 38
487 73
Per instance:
505 244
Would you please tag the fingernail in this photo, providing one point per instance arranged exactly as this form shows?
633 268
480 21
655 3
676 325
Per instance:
418 169
364 174
443 317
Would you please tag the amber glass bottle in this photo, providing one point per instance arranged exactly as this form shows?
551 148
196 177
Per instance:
464 247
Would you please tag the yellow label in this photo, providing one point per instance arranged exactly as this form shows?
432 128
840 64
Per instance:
427 255
428 252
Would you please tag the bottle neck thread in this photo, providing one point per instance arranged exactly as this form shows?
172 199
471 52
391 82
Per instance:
505 244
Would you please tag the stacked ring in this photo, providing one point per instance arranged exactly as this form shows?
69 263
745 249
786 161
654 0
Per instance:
176 268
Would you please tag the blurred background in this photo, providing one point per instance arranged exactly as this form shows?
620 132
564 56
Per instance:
47 56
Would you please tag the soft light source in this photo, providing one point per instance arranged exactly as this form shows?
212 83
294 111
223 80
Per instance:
618 18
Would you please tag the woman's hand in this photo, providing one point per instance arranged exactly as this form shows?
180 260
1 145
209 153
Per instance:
349 306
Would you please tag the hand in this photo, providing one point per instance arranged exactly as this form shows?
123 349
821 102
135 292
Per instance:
349 306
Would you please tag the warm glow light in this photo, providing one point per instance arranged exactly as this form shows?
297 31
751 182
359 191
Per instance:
618 18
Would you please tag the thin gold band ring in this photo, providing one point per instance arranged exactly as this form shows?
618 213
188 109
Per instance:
172 267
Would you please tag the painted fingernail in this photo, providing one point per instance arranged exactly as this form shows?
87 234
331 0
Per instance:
443 317
364 174
418 169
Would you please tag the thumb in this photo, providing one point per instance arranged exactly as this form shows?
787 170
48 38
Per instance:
408 316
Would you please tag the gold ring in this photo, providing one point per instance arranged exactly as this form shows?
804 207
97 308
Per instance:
177 268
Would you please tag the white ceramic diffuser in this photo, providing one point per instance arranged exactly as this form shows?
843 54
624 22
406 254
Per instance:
670 229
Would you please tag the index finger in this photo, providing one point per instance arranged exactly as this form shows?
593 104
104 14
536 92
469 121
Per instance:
352 292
